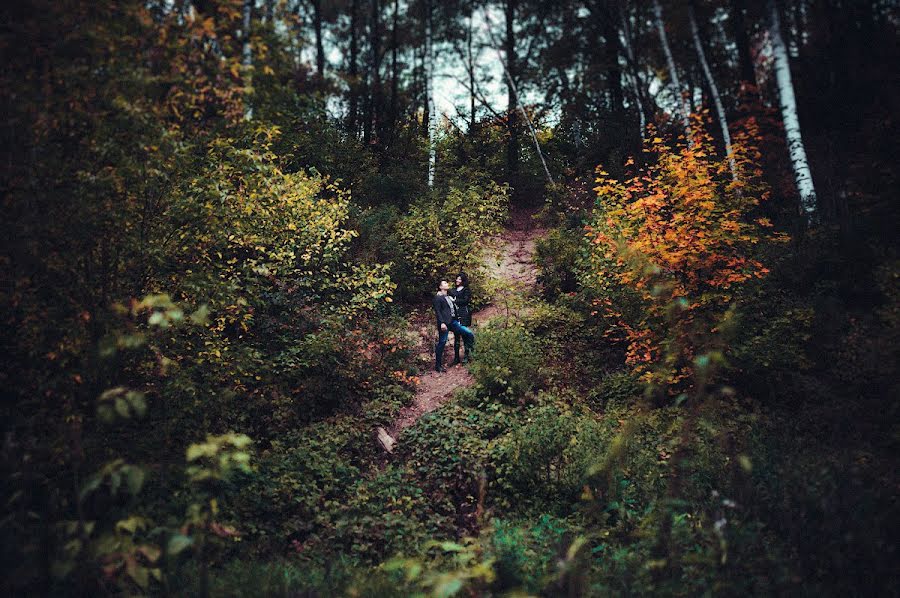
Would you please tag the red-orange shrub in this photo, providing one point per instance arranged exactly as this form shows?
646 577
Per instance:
673 247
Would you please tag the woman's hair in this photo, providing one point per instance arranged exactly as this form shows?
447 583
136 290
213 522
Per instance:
465 278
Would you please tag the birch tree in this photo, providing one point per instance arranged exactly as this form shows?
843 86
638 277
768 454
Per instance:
635 80
796 149
673 72
714 90
247 57
429 92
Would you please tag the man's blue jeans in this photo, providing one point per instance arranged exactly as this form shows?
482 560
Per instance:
457 328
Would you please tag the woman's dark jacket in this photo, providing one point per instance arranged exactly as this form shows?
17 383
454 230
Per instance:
463 305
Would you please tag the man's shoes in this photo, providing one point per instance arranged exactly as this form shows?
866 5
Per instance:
440 369
457 361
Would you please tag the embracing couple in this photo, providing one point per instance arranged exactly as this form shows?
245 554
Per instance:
453 312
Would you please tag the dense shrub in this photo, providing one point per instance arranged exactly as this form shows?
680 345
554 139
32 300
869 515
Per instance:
507 364
682 237
549 457
572 352
558 256
439 239
615 390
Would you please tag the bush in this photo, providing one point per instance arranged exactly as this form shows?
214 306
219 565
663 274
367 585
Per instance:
573 352
549 457
435 241
557 255
508 363
683 238
616 390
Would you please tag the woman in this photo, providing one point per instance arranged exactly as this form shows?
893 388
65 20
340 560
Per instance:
462 297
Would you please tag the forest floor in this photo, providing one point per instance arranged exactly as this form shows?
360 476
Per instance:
508 260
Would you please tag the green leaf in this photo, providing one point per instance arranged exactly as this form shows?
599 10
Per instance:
195 451
201 316
448 587
106 414
141 577
452 547
122 407
177 544
135 479
137 401
131 525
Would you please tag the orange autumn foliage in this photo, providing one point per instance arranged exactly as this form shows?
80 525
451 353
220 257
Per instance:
673 246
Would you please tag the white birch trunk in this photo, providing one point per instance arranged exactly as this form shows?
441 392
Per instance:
796 149
635 82
673 72
429 91
247 58
717 100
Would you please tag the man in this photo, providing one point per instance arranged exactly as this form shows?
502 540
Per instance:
447 320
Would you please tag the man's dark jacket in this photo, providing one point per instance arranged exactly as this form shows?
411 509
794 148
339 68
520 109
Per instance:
442 311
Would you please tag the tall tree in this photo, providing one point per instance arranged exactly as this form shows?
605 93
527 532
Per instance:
353 71
429 92
682 106
742 41
713 88
247 56
470 63
613 49
635 77
796 149
509 46
373 97
320 47
395 69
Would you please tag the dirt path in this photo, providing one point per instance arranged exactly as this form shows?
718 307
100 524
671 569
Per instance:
509 259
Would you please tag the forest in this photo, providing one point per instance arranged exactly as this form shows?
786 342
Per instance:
669 226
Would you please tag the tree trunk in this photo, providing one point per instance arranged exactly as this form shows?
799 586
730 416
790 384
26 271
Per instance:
353 103
796 149
714 91
320 48
514 97
673 72
613 48
635 80
395 81
470 66
247 58
742 41
374 70
512 145
429 92
377 91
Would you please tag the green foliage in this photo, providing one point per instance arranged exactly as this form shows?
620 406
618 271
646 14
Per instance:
615 391
573 354
548 458
179 278
438 240
508 363
558 255
253 222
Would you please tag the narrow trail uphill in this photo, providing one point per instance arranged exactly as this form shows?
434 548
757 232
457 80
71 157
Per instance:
509 260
